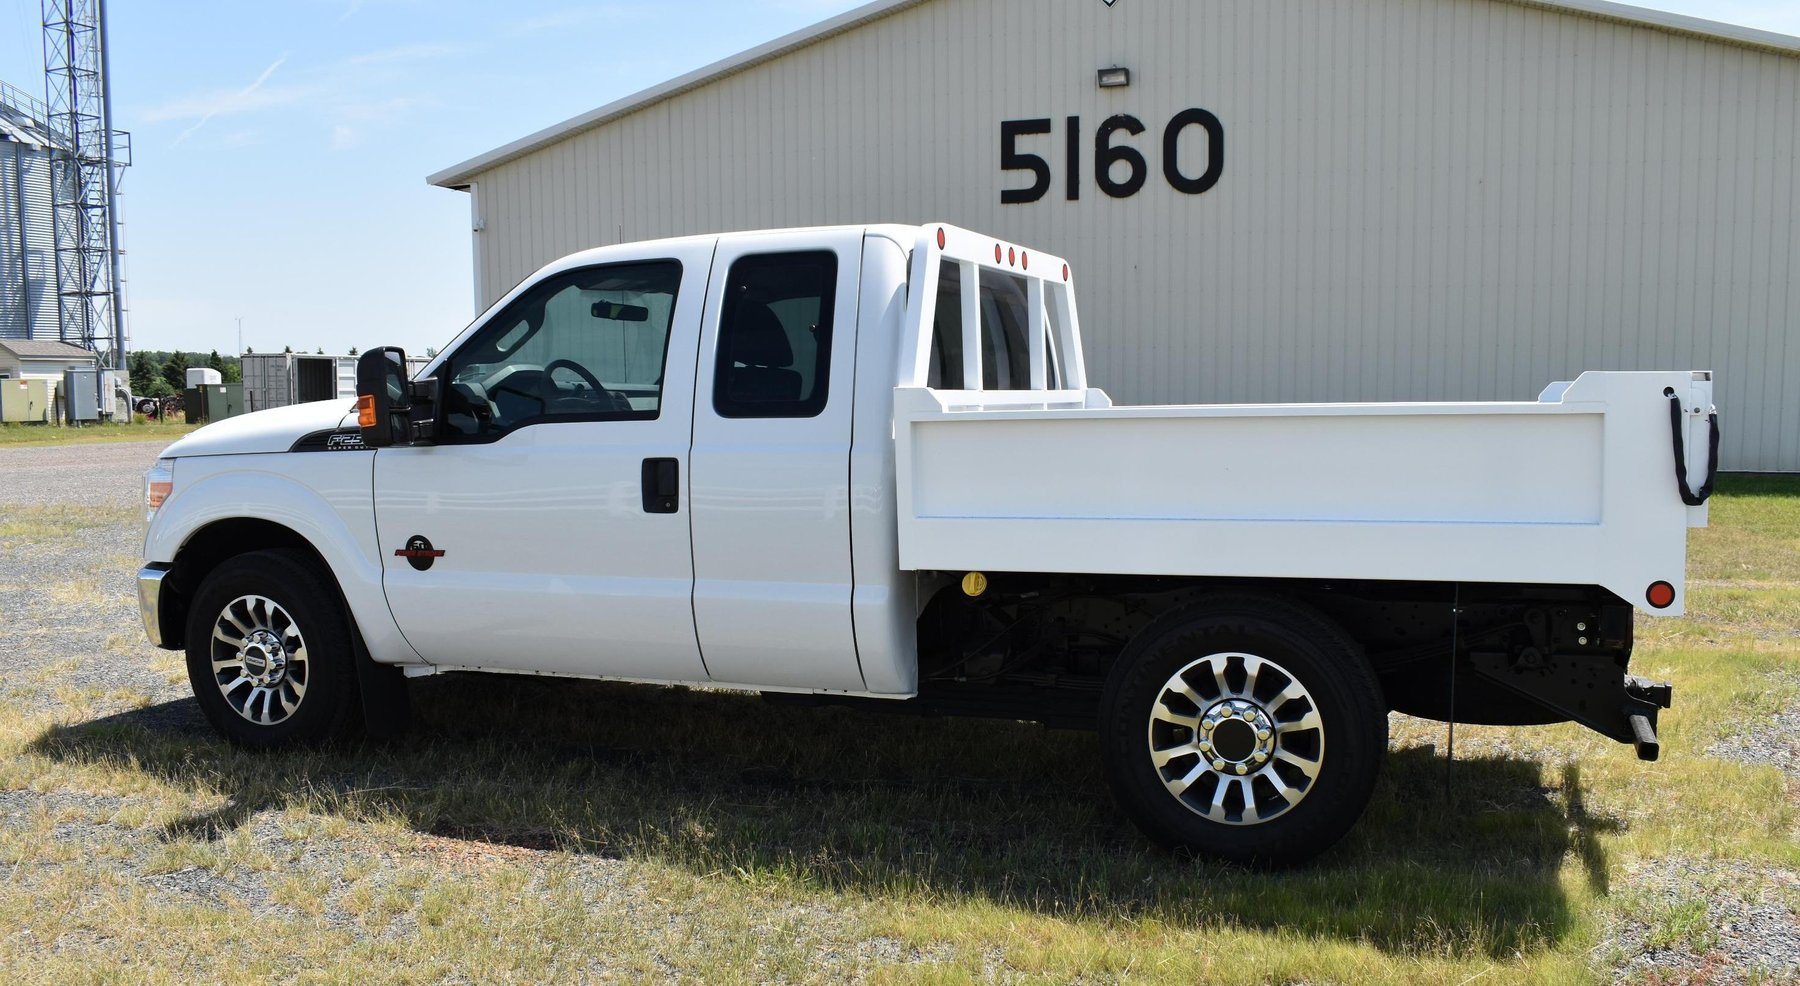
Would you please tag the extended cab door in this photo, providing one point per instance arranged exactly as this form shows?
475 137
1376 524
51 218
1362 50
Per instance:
771 462
547 529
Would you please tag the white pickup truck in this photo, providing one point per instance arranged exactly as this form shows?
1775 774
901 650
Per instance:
864 463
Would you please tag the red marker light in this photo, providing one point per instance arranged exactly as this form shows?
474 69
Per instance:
1024 260
996 253
1010 258
1065 272
1660 595
940 238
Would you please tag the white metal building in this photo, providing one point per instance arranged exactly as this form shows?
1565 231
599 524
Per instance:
1325 200
28 302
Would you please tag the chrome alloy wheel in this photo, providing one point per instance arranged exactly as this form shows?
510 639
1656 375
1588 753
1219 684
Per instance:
259 659
1236 738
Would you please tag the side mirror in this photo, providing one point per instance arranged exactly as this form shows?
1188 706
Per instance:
383 400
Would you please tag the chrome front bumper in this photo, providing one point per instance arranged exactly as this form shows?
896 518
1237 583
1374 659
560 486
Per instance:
150 585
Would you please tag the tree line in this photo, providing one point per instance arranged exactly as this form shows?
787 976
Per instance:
159 373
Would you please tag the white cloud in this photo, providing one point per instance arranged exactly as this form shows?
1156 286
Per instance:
252 96
358 91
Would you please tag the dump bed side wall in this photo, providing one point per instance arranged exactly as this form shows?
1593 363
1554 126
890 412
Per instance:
1577 491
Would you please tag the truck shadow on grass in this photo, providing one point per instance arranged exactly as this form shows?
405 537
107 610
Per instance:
887 807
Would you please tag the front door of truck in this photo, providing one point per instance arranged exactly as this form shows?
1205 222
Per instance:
771 462
546 528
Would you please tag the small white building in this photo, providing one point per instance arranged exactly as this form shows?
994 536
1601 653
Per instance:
1264 200
30 359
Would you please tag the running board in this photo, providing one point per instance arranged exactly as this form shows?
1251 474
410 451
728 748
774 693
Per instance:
1592 690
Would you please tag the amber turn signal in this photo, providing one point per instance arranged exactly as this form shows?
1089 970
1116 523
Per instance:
365 411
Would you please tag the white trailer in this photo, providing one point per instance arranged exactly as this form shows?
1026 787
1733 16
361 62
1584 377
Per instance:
865 464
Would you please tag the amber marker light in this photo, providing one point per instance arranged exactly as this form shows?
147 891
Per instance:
157 492
365 411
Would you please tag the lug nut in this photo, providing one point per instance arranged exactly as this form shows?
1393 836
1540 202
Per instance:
1581 640
1261 756
1243 769
1218 765
1205 746
1262 734
1581 626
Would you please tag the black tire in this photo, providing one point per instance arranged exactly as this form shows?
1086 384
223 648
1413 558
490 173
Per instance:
325 696
1305 647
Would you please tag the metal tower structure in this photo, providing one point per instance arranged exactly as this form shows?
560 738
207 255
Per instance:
84 175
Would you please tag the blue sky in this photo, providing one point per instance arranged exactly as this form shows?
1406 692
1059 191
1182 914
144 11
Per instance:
281 146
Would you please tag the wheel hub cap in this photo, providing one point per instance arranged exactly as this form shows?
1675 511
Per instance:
265 660
259 660
1236 738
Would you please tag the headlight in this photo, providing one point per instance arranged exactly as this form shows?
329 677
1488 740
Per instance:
159 482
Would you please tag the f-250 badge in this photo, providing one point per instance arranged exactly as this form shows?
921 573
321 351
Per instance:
418 552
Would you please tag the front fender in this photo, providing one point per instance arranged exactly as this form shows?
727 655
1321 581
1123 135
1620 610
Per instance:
324 497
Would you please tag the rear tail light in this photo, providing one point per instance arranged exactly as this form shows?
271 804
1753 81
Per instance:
1660 595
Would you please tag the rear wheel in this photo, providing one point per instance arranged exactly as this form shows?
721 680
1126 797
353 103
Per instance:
1247 728
269 652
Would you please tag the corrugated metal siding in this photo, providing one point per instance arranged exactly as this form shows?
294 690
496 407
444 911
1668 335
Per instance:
1422 199
28 279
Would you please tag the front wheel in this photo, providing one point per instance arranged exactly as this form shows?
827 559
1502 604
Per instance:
269 652
1246 728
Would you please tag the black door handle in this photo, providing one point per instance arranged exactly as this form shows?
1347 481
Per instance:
662 486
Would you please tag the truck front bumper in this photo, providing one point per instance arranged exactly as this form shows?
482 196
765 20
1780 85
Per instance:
150 600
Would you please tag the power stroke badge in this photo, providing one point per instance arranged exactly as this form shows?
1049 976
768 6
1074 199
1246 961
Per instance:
418 552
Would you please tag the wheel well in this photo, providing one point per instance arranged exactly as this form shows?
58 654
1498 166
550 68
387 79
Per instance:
210 546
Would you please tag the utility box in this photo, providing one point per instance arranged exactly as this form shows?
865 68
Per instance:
115 395
280 379
213 402
25 401
81 396
200 376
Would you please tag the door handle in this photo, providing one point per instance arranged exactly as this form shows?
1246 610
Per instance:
662 486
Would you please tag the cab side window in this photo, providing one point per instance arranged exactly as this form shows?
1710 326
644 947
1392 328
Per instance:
587 345
774 355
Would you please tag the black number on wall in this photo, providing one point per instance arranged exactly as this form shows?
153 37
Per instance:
1012 160
1106 155
1215 151
1110 157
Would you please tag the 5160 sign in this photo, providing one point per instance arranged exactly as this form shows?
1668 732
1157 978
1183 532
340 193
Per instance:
1108 156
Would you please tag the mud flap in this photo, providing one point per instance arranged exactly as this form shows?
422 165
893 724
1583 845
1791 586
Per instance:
386 705
1593 691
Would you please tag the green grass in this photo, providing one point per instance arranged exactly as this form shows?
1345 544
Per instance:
526 828
14 433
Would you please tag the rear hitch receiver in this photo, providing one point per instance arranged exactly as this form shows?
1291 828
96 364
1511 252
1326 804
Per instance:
1655 695
1591 690
1643 736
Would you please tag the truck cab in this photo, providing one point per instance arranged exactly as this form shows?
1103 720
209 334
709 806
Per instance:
864 463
